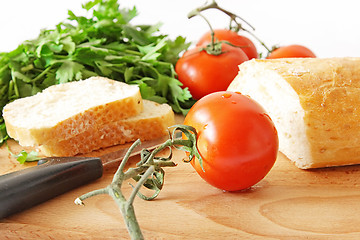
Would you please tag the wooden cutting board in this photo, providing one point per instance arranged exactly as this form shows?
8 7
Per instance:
288 203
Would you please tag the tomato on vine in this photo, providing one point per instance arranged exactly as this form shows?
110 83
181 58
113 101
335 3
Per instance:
232 37
237 140
291 51
214 64
204 72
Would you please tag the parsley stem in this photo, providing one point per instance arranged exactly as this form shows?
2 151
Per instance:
39 76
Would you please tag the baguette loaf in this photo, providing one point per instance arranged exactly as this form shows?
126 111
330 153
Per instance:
66 110
151 123
314 104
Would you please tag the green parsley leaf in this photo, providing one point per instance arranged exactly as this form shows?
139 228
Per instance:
69 71
24 156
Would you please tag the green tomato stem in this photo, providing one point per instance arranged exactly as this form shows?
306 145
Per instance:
233 19
148 172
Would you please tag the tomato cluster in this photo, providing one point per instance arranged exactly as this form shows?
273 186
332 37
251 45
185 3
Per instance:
203 70
237 140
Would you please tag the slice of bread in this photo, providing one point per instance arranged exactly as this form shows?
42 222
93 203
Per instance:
66 110
151 123
313 103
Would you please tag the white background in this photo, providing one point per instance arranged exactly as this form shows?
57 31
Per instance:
329 28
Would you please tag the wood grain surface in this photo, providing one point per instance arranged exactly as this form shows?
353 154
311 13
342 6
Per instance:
288 203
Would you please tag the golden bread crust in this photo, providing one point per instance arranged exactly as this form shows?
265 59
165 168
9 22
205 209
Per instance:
329 93
146 127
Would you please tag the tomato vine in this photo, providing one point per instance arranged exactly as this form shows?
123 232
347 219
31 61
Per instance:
148 172
234 24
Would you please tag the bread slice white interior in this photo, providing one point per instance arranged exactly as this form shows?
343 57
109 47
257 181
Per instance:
65 110
280 100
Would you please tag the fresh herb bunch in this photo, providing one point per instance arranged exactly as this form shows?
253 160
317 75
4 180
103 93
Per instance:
105 44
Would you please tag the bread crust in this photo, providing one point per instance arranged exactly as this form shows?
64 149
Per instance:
329 93
150 125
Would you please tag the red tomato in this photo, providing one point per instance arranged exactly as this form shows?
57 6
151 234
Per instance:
237 140
227 35
291 51
204 73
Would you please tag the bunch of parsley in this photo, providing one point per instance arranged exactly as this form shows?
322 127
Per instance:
105 44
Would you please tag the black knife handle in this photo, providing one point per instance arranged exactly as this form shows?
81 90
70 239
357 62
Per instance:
26 188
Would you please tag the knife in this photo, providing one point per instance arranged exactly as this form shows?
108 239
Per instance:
54 176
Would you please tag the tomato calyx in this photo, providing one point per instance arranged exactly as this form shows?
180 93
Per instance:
188 143
215 48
